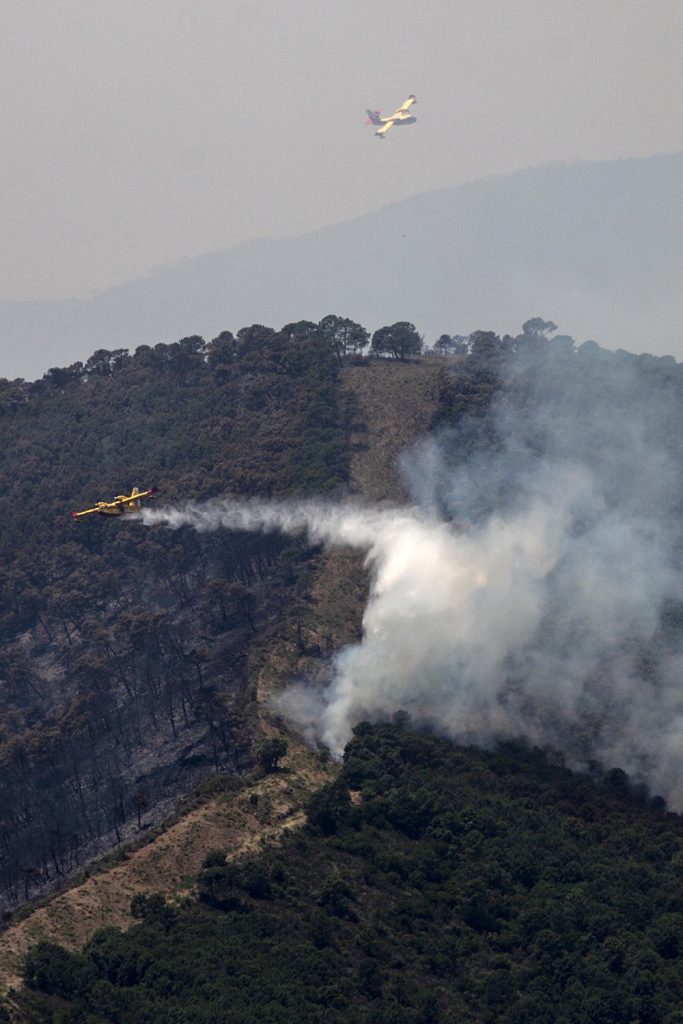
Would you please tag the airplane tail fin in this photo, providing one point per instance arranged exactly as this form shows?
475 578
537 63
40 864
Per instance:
135 505
373 116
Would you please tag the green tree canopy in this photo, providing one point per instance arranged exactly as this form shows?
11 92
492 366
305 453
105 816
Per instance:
344 336
271 752
397 340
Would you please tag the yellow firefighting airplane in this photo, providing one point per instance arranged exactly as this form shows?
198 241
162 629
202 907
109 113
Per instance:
122 504
400 116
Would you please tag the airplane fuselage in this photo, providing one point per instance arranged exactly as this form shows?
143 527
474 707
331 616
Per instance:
122 505
118 510
401 115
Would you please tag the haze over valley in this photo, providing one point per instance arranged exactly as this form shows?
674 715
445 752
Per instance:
596 246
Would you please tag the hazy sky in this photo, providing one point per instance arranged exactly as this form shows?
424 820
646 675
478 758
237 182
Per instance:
140 132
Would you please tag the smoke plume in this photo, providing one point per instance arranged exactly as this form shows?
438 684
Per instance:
524 592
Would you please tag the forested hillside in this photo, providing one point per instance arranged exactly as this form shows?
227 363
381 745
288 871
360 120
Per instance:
125 651
434 883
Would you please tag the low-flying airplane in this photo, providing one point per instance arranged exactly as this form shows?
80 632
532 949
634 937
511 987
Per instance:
400 116
123 504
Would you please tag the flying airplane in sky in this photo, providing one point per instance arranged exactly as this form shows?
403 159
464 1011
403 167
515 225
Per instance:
400 116
122 504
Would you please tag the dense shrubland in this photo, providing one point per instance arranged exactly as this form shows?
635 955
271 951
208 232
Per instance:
434 883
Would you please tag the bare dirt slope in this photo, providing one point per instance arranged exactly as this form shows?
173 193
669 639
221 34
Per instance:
231 821
394 404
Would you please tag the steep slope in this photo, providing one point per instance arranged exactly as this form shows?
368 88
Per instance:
240 819
391 403
125 671
599 842
395 403
598 247
435 883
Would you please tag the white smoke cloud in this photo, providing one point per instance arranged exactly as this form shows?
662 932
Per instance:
541 617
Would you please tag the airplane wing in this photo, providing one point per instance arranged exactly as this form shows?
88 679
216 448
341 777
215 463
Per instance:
118 505
136 495
85 512
134 498
385 128
405 107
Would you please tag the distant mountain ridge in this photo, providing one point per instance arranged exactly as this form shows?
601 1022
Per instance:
598 247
